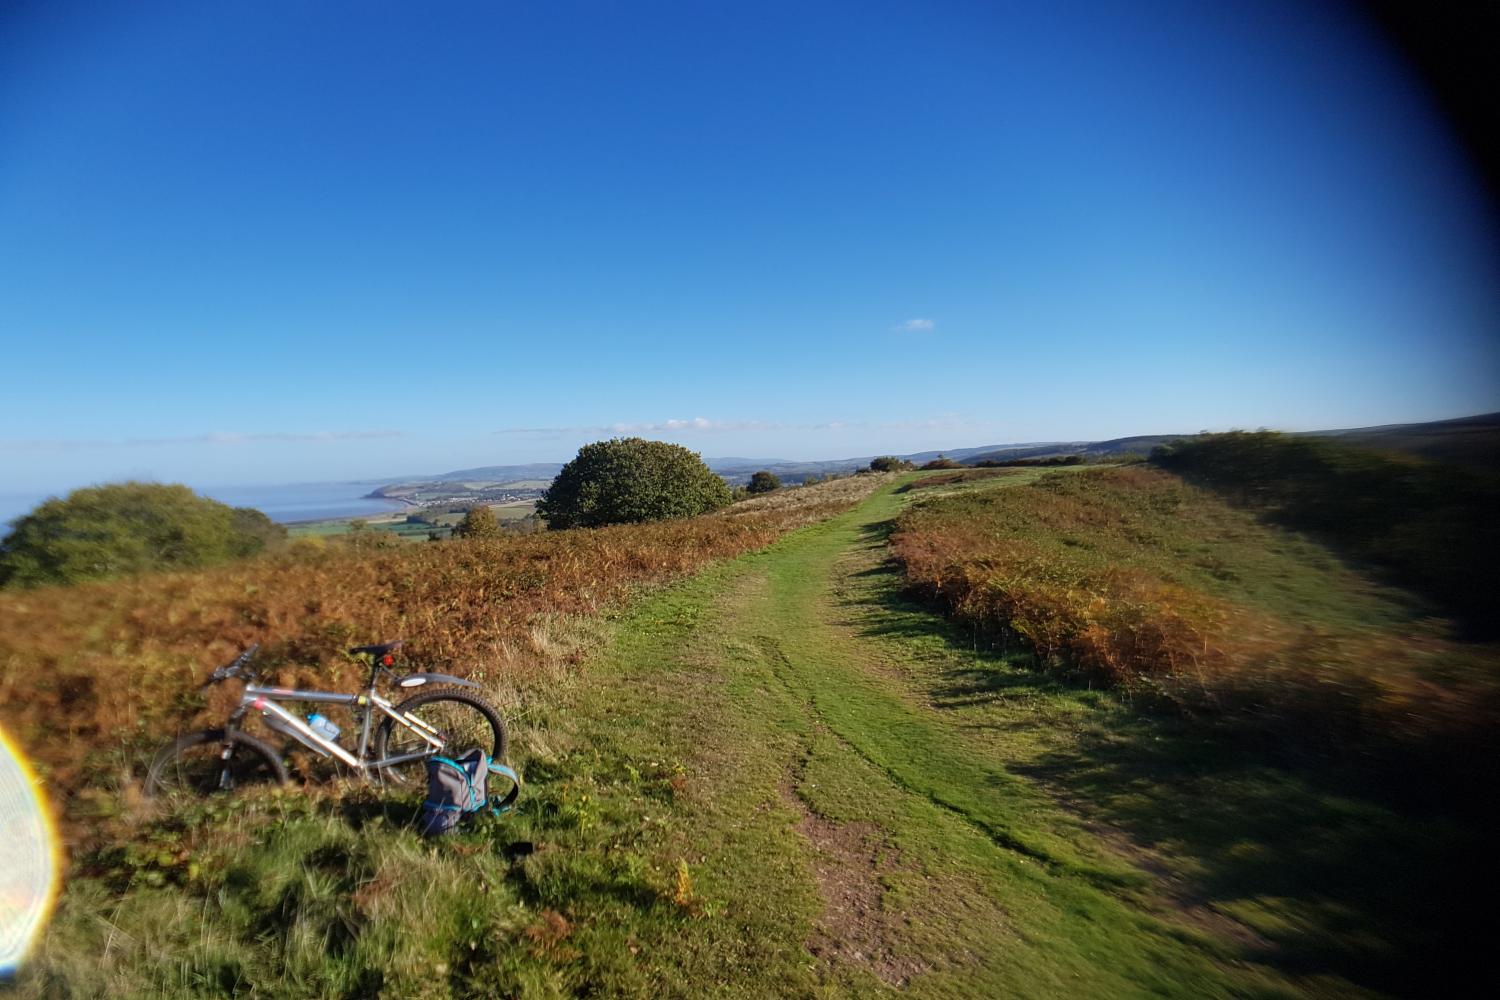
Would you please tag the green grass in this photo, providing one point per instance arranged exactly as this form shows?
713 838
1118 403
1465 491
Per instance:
1135 579
318 529
513 512
1339 858
1095 520
1015 836
1428 525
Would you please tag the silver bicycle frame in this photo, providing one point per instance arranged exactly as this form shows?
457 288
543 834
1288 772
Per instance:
264 699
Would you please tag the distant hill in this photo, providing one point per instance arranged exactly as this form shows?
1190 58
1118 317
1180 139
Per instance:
1471 441
499 473
1140 444
739 470
984 451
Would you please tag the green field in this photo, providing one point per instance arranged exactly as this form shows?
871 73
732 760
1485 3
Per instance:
397 525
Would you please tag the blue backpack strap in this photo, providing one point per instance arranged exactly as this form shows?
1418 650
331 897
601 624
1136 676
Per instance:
473 773
503 805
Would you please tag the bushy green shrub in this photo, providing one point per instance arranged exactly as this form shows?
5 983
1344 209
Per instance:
889 463
251 530
122 528
629 481
1054 460
763 482
479 522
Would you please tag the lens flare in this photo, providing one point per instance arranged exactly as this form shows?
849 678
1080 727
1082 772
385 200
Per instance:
29 853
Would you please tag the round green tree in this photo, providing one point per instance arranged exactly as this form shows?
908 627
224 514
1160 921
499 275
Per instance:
629 480
122 528
763 482
479 522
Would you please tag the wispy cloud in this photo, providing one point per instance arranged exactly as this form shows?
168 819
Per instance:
652 427
915 325
707 426
212 439
695 424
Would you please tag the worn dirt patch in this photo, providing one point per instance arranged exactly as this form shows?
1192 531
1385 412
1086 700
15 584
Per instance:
854 928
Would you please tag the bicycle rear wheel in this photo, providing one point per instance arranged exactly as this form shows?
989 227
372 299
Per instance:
195 764
462 720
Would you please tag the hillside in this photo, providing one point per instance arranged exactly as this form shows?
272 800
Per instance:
1305 688
503 473
1473 441
779 776
1469 440
1096 450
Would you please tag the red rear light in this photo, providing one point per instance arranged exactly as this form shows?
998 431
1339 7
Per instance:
387 660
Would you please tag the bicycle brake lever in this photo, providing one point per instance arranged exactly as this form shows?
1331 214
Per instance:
235 669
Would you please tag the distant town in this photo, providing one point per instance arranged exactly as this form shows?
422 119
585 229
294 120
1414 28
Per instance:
467 493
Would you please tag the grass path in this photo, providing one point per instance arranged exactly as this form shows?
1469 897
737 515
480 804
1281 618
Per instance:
827 803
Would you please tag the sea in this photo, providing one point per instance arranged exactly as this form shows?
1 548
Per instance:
283 504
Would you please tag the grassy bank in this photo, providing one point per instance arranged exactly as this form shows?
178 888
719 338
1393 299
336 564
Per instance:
1427 525
1136 579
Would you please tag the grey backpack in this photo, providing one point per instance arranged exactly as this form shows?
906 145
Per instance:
456 787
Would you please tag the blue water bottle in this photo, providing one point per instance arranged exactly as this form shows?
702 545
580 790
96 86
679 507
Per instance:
319 724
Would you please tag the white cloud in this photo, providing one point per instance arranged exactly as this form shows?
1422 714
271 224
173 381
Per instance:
916 325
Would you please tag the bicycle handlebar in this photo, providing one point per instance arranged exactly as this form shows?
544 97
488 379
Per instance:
236 668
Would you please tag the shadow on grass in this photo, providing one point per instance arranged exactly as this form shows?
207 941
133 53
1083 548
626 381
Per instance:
1316 858
1335 880
395 810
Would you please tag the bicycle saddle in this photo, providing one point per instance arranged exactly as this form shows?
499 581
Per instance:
376 652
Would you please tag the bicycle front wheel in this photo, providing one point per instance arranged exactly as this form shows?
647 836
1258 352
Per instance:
197 764
459 719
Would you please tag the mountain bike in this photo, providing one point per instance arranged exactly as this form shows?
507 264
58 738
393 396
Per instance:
394 740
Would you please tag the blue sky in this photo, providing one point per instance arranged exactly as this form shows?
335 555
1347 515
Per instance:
275 242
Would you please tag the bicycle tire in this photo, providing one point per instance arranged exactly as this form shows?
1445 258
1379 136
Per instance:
257 753
499 738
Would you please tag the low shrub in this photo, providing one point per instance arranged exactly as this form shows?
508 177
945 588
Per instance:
1026 463
950 478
